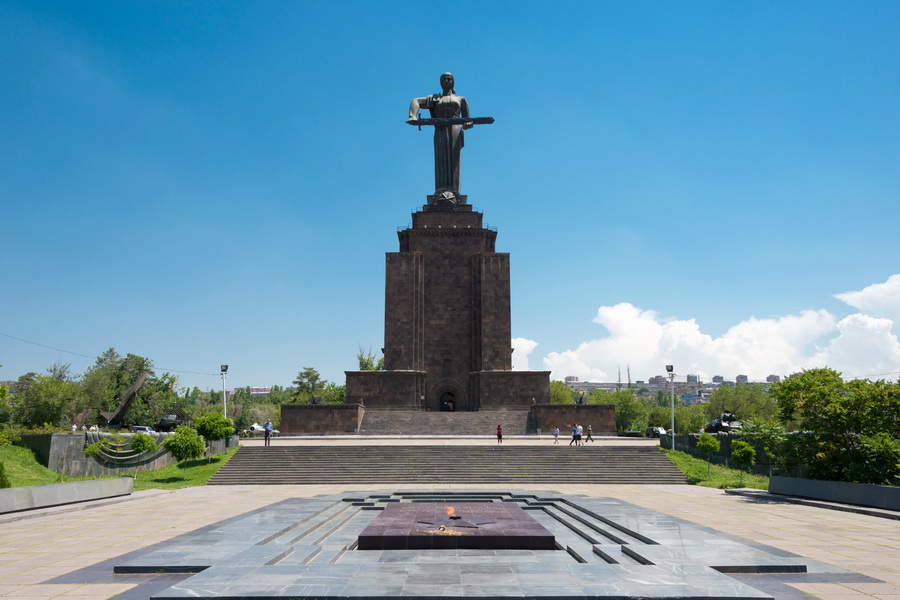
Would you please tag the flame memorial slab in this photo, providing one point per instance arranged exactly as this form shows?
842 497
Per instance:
458 526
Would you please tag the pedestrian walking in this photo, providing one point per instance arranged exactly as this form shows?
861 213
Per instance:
499 434
556 435
574 434
589 438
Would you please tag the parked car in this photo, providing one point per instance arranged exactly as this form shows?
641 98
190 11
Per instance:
656 432
141 429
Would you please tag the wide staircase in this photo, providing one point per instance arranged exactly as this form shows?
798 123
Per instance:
417 422
489 464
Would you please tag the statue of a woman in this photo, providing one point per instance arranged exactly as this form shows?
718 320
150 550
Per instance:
448 139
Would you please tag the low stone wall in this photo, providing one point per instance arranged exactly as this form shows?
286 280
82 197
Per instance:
511 389
56 494
601 417
64 453
861 494
320 419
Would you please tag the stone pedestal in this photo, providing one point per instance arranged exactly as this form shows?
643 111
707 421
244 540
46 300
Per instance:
447 332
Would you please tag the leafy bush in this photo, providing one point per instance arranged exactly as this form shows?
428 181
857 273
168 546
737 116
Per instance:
4 480
141 442
97 447
8 437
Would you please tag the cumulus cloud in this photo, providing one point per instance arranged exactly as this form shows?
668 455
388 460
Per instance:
858 345
879 299
521 349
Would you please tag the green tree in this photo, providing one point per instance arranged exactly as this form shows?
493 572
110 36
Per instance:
840 423
745 400
631 412
768 434
184 445
560 393
43 399
333 393
308 383
689 419
743 455
708 444
368 362
213 426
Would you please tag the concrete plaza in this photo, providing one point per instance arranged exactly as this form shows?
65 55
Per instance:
63 552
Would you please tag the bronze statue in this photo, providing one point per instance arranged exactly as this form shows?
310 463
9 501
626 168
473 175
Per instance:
450 116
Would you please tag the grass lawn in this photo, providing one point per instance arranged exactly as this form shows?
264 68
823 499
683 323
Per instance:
23 469
719 477
198 472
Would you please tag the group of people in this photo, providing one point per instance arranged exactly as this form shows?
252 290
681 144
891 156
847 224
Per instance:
577 433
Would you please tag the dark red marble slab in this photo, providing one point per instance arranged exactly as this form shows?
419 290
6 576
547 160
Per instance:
479 526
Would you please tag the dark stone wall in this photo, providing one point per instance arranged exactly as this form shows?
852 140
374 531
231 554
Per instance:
386 389
321 419
512 389
601 417
447 319
64 453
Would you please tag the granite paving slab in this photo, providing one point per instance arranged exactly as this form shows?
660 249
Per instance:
307 548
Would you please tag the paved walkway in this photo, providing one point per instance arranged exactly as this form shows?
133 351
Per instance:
57 542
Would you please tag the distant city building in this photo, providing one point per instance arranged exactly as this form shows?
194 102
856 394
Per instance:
741 379
718 379
658 380
260 391
693 379
773 378
570 379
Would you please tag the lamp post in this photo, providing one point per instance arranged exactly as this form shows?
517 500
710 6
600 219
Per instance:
224 369
671 370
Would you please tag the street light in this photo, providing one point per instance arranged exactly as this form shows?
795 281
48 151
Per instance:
671 371
224 369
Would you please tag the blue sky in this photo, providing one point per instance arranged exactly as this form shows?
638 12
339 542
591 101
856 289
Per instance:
709 184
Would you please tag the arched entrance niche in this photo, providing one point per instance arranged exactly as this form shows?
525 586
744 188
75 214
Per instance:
447 396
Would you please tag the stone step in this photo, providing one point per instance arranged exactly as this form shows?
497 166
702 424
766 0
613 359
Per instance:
440 464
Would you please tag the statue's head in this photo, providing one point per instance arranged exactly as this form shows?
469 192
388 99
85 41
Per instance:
447 83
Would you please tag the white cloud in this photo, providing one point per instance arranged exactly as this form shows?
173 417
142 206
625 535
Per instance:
879 299
858 345
521 349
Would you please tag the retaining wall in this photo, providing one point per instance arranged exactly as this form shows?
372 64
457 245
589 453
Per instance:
64 453
862 494
56 494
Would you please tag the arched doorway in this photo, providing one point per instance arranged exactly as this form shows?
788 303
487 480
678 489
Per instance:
447 402
447 396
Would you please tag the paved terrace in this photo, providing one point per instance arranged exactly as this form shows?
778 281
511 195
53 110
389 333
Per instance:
62 552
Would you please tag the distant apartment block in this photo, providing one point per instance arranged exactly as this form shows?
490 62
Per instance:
741 379
773 378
